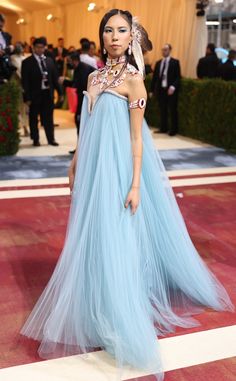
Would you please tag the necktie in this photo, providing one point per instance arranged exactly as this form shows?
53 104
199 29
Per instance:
163 69
43 63
45 84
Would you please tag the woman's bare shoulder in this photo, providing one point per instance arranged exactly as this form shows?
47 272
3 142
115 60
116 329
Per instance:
135 81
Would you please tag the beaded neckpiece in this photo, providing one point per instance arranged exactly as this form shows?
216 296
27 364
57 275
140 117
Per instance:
109 76
115 61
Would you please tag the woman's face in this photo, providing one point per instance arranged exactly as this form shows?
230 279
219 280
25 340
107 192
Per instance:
116 36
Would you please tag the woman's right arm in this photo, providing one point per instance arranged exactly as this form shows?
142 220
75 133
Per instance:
72 169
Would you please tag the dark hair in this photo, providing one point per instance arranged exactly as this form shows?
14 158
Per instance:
75 56
85 45
145 42
60 39
2 18
40 40
211 47
83 39
232 54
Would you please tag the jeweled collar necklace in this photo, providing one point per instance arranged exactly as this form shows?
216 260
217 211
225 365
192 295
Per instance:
115 61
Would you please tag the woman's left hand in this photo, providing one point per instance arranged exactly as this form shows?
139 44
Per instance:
133 199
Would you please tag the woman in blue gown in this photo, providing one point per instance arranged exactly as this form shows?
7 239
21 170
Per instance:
128 271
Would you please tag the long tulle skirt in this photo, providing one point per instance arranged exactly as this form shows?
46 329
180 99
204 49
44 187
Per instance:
122 279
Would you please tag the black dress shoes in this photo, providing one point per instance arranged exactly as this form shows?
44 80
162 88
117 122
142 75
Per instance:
72 151
172 133
53 143
36 143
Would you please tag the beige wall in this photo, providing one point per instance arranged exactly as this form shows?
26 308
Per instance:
12 27
172 21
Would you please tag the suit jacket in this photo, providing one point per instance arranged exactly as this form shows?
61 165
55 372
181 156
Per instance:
208 66
32 78
80 80
64 52
173 76
50 54
7 37
60 63
227 71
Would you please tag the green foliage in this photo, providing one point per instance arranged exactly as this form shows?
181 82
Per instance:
207 111
9 134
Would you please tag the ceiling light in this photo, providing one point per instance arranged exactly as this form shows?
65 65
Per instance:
91 7
20 21
49 17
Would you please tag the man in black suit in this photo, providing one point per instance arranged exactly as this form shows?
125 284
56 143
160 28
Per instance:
5 38
60 52
165 85
50 52
208 66
39 79
6 49
227 70
79 81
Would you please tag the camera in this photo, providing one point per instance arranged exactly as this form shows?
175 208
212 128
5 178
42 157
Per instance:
6 68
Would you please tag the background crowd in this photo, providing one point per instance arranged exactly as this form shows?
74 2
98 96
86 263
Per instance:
44 70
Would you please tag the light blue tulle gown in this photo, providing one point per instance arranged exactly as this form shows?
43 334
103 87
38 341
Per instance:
122 279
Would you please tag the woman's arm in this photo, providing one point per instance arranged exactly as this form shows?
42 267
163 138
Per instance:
72 169
136 92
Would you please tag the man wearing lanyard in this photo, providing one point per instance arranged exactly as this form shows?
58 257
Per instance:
165 85
39 79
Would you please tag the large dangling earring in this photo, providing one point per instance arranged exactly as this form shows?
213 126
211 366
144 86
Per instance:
130 49
104 51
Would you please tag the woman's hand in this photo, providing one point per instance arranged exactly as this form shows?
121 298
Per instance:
71 175
133 199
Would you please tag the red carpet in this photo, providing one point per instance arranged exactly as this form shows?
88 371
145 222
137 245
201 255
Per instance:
31 237
210 214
